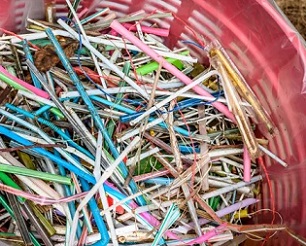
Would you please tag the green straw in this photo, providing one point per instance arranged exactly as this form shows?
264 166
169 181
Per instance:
5 204
9 182
35 174
214 202
12 83
57 112
152 66
7 234
111 125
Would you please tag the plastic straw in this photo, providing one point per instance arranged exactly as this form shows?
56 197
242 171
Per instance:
231 187
246 165
29 87
35 174
150 30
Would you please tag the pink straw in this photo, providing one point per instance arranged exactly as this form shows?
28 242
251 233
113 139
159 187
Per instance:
150 30
29 87
40 199
172 69
204 238
246 165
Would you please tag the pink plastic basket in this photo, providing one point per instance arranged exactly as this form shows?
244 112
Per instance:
269 53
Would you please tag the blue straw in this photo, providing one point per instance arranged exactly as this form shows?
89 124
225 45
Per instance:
42 110
159 180
96 215
45 108
188 150
28 56
35 80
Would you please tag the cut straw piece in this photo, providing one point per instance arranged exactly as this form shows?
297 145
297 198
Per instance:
273 156
93 16
209 235
205 159
246 165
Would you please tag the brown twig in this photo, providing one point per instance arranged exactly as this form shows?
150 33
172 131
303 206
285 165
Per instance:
33 146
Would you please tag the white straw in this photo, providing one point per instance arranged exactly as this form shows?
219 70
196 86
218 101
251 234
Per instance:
128 89
231 188
273 156
97 175
37 98
139 130
173 96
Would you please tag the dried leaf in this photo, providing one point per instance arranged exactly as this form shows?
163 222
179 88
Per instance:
46 57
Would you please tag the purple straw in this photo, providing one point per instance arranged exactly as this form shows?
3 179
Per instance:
220 213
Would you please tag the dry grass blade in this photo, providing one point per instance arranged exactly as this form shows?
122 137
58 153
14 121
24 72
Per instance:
205 159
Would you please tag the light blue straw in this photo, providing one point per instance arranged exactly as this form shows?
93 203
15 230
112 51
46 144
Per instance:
96 215
28 55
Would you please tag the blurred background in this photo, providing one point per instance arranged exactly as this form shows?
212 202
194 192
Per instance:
296 13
